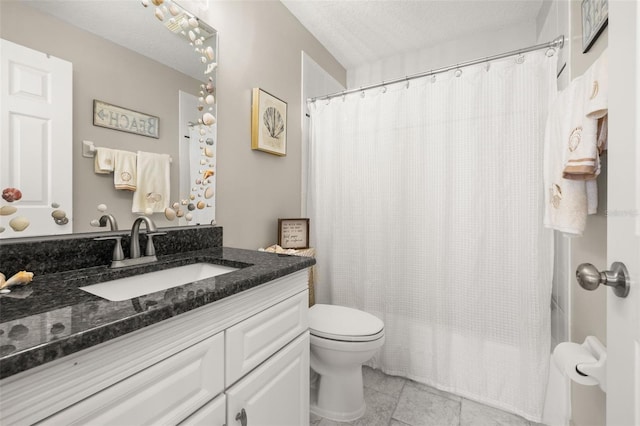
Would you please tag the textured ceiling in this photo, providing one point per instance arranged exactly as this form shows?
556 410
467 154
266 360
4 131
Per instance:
363 31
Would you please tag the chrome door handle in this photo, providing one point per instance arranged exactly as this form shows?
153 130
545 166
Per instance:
242 417
590 278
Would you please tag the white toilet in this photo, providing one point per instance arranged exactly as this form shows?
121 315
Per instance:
342 339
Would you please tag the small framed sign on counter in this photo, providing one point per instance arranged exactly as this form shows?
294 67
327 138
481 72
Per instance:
293 233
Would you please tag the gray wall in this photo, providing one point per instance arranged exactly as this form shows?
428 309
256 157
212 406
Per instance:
260 46
108 72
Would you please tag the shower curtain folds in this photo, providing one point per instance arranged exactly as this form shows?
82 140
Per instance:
426 203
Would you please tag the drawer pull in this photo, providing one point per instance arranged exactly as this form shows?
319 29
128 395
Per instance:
242 417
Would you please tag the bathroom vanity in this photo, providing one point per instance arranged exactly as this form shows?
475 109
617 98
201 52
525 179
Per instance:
222 350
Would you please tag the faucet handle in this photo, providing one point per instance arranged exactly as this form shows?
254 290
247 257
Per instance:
150 250
118 254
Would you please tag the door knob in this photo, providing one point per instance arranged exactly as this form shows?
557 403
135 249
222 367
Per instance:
590 278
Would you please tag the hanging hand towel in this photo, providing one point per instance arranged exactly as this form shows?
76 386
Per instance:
103 163
153 183
124 170
589 139
566 202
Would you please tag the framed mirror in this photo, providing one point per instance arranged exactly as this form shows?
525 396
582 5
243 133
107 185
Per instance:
156 59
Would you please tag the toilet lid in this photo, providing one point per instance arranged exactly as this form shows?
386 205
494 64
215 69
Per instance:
345 324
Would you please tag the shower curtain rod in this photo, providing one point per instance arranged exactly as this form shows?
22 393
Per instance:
557 43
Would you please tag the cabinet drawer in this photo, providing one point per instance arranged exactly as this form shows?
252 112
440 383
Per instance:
164 393
252 341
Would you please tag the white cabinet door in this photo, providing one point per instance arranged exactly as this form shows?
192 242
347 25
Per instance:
277 392
36 134
165 393
212 414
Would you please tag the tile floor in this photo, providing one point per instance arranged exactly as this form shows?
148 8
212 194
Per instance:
395 401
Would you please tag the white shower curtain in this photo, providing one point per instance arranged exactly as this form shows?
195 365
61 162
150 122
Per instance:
426 210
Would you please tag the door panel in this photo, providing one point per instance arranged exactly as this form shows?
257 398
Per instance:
623 213
36 134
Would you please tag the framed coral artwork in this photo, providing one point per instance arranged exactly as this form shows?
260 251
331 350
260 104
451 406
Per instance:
268 123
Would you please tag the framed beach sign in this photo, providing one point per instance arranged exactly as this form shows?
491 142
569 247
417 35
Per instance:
293 233
268 123
595 16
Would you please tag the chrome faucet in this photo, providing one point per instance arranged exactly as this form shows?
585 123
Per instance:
109 218
135 258
135 238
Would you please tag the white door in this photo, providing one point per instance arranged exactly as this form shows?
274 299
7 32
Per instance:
276 393
623 213
36 138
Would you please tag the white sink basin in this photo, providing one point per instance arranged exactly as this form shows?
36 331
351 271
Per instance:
139 285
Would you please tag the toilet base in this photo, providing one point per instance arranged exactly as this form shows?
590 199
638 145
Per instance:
339 398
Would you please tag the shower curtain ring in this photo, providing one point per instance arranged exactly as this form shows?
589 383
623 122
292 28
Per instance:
458 71
384 88
406 78
361 92
433 77
487 64
344 96
520 58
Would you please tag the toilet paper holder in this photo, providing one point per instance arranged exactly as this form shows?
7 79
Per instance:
598 370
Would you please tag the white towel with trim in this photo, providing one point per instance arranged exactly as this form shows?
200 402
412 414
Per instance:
103 162
584 148
125 170
566 203
154 182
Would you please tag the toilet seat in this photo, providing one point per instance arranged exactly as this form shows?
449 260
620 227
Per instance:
344 324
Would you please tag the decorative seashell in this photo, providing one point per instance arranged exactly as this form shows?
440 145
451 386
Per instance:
197 30
192 36
164 9
11 194
208 52
55 205
209 141
208 152
102 207
203 162
19 223
159 14
208 193
210 99
148 211
58 214
184 202
21 278
157 2
208 119
184 24
176 205
191 206
7 210
189 217
200 107
193 22
174 10
198 181
210 87
179 212
201 99
212 66
200 205
2 228
208 173
145 3
203 60
169 213
192 197
95 222
203 131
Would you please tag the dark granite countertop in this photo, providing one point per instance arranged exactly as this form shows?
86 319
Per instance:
55 318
